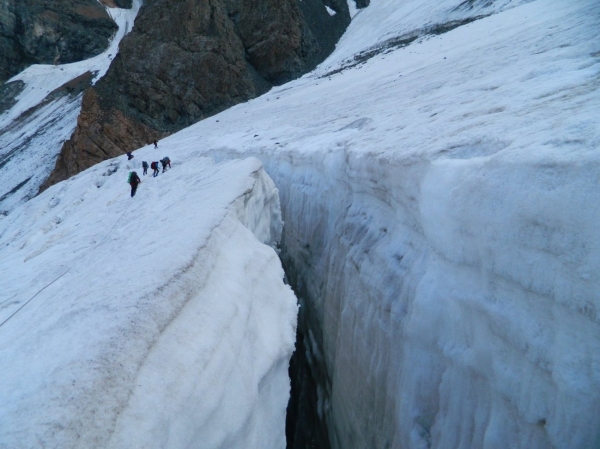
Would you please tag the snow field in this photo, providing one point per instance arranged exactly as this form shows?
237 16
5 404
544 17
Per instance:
154 321
440 212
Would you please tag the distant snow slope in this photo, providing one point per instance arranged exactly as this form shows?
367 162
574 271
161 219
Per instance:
158 321
391 21
33 130
441 208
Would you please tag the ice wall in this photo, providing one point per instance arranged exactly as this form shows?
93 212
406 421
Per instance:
156 321
465 316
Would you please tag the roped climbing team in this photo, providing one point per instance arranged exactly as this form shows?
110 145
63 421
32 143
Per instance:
134 179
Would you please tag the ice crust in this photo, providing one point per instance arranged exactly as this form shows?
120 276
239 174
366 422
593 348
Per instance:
159 321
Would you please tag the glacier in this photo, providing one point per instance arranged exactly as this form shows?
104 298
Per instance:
441 209
438 180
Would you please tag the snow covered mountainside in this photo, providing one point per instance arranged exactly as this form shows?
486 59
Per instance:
438 178
158 321
44 115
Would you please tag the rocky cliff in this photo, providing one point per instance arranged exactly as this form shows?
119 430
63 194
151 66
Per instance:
187 60
56 32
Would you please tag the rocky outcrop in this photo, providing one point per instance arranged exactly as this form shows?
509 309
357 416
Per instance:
60 31
187 60
104 131
126 4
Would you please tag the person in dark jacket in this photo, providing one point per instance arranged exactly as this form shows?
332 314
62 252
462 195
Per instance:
145 167
129 156
166 162
134 180
155 142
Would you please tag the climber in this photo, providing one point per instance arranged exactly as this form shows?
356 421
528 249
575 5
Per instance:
154 166
145 167
155 143
134 180
166 162
129 156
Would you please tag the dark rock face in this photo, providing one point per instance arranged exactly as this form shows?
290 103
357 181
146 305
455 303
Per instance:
50 32
188 59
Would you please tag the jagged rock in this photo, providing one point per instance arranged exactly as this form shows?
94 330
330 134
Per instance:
126 4
187 60
60 31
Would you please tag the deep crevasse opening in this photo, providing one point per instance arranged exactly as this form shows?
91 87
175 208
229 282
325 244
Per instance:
305 420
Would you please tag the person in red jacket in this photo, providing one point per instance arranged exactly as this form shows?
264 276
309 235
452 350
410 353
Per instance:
154 166
134 180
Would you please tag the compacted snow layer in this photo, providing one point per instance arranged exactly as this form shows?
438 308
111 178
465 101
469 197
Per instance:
441 208
33 131
155 321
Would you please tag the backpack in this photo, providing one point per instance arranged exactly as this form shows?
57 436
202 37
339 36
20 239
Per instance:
132 177
129 177
144 164
153 166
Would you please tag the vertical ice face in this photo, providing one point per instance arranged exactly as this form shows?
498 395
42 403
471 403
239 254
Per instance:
160 320
465 317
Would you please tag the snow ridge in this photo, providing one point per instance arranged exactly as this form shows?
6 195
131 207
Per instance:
158 306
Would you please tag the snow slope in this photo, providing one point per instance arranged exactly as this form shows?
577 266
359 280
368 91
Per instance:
391 20
33 130
158 321
441 208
